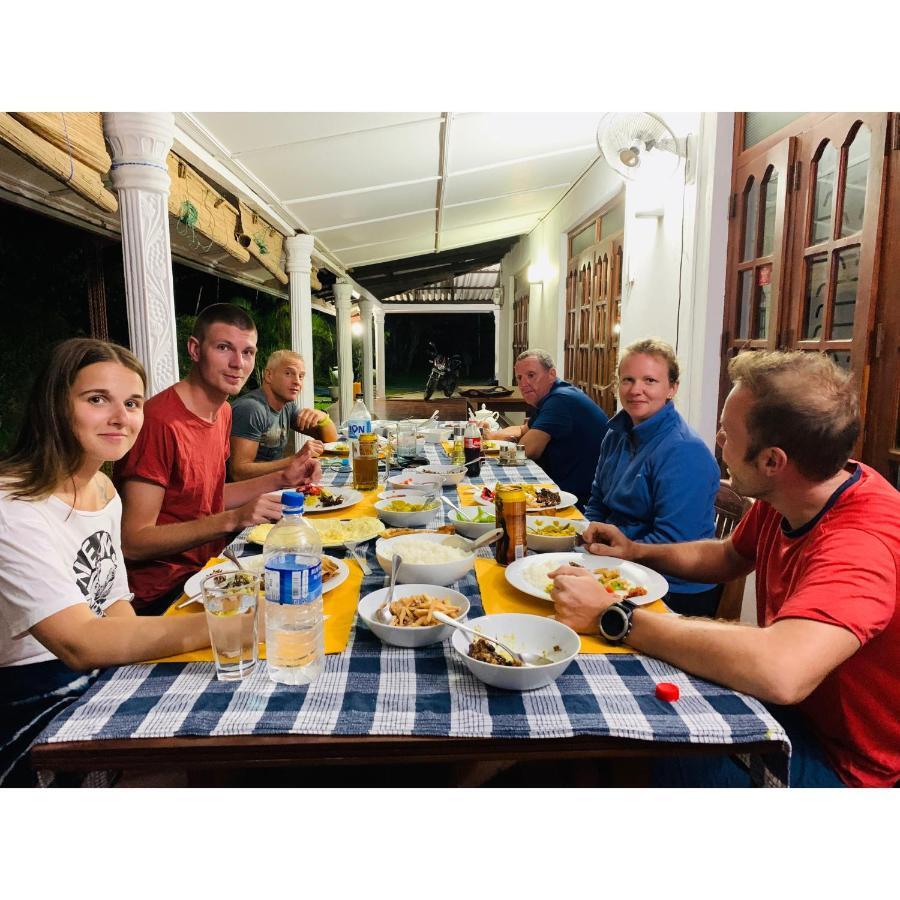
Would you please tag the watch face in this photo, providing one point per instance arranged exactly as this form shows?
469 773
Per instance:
614 623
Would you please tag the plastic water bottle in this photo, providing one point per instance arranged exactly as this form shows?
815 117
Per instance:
295 637
359 421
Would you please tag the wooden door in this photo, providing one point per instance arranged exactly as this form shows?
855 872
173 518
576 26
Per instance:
520 325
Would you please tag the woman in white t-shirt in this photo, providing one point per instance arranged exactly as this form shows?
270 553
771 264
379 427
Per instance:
64 598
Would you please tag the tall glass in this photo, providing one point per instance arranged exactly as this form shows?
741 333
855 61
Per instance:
230 600
406 438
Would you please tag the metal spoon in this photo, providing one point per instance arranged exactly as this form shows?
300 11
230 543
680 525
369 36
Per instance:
531 660
452 505
228 553
384 611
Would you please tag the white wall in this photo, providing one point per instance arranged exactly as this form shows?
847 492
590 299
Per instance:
685 247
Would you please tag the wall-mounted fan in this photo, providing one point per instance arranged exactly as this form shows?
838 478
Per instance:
628 140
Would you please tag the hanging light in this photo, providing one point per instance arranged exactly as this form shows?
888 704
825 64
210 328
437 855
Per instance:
356 327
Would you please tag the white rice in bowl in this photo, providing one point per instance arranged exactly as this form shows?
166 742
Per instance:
419 553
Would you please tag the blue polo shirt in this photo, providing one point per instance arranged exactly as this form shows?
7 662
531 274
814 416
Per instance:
576 426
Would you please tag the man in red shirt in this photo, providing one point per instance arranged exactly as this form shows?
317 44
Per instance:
824 540
177 509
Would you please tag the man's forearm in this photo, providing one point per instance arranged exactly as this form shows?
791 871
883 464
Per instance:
711 561
247 470
237 493
156 541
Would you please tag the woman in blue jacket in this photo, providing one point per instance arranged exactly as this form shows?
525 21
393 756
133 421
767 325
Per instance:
656 480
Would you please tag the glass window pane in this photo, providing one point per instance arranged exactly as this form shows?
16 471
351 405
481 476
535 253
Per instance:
823 201
770 196
745 282
759 125
845 293
763 300
855 187
751 200
816 295
613 222
841 357
583 239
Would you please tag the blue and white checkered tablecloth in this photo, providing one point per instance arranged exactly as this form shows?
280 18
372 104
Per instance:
372 688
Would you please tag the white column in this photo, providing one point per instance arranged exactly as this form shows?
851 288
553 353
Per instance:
299 264
498 298
368 386
139 143
380 389
342 303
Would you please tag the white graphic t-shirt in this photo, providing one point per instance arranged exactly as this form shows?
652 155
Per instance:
52 557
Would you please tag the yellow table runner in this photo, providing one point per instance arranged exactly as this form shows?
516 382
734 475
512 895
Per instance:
499 596
466 494
339 607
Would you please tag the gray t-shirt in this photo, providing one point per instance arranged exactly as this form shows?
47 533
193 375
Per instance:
253 419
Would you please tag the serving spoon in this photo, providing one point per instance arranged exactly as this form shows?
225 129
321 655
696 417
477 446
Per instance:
487 538
384 611
530 660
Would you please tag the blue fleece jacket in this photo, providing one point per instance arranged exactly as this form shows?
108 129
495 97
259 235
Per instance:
657 482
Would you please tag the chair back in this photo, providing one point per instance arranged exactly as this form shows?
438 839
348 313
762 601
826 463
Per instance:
730 508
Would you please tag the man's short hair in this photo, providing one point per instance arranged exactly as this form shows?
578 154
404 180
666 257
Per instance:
804 403
542 356
280 357
227 313
659 348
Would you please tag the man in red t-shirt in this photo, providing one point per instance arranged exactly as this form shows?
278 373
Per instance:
824 540
177 509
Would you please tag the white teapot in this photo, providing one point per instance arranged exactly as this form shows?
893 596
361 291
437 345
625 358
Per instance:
486 417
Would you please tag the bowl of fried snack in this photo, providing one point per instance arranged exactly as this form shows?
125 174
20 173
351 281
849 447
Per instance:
548 534
411 609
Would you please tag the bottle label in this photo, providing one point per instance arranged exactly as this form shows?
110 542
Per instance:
357 427
472 443
292 580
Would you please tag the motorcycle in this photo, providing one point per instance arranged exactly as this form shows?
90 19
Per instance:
444 372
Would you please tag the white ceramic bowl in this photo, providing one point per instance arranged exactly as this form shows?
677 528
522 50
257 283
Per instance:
412 480
436 435
472 530
398 494
447 474
543 543
408 519
533 634
426 573
409 636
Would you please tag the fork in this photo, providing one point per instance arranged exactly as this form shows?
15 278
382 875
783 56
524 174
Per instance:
351 549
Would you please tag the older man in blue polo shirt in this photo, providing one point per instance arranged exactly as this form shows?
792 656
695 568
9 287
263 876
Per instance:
566 432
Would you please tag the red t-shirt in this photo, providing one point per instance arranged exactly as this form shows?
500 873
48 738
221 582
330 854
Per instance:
186 456
842 571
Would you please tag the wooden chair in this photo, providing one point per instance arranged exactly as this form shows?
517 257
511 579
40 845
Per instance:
730 508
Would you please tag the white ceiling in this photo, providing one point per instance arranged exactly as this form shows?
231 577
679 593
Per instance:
373 187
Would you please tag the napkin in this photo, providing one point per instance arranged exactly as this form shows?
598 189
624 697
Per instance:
499 596
339 607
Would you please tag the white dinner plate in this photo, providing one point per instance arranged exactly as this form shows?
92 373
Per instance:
655 584
498 446
341 447
566 499
349 497
193 584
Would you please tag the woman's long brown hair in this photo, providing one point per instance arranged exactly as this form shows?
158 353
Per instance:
47 452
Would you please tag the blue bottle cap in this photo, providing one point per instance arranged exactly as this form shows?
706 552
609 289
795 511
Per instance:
292 500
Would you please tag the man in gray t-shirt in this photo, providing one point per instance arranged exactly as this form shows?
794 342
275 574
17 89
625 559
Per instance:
262 420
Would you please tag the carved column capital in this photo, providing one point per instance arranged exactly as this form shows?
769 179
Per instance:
139 143
298 249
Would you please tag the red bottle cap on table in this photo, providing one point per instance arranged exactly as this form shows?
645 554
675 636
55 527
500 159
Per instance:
665 690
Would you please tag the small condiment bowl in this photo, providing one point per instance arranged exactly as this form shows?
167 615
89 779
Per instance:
446 474
545 543
410 636
522 632
469 529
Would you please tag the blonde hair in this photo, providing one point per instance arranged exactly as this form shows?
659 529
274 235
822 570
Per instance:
279 357
656 347
804 403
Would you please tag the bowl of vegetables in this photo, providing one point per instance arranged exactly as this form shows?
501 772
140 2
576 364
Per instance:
409 511
547 534
473 521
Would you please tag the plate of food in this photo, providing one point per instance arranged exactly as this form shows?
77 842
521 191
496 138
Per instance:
322 499
537 496
626 580
334 573
493 448
333 532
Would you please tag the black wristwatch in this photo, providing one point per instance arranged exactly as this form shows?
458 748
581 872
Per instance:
615 622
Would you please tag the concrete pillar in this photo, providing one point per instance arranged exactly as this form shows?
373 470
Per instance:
299 264
139 144
378 314
342 303
368 386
